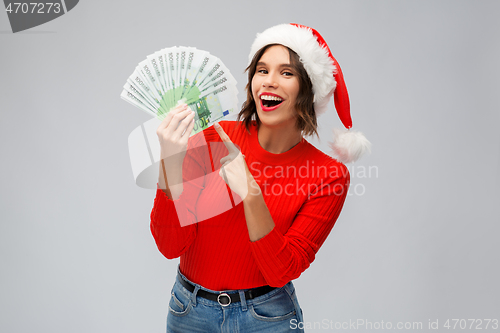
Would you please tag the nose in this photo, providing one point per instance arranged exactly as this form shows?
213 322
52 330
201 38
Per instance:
270 81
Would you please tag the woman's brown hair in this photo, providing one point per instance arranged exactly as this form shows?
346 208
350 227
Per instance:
306 116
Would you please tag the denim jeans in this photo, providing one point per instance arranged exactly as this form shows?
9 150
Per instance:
277 311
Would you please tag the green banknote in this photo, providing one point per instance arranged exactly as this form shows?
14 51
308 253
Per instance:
183 75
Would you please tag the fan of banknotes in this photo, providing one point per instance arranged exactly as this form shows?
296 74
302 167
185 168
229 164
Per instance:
183 75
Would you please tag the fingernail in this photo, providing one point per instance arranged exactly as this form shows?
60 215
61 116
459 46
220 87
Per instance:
216 125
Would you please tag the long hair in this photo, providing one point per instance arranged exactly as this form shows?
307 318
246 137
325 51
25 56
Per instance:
304 104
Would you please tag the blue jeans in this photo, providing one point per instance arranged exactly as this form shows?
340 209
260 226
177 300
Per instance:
277 311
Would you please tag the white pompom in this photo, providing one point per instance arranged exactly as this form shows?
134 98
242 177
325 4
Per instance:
349 145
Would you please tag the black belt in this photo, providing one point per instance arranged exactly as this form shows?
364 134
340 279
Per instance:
225 299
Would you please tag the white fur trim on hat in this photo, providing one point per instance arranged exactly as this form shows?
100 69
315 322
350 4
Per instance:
316 60
349 145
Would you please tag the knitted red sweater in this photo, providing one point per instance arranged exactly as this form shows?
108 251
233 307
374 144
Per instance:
304 190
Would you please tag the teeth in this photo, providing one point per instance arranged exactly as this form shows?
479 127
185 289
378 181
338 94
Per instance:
270 98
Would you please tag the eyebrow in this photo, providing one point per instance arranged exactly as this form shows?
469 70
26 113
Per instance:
261 63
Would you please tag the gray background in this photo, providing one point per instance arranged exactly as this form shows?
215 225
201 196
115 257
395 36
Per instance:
419 244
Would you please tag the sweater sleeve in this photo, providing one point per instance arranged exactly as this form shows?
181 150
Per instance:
283 257
173 222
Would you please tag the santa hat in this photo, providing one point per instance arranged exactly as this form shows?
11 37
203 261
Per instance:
327 80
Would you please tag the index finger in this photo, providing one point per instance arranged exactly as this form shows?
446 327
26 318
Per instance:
225 138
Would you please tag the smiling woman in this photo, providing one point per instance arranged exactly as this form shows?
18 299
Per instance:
275 88
236 268
290 67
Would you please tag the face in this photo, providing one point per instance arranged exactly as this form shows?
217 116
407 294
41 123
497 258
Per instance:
275 87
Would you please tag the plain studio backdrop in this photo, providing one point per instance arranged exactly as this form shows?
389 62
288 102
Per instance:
417 240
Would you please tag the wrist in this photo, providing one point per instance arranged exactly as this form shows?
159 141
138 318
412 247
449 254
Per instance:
254 191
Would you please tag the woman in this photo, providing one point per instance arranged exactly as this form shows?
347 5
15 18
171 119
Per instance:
245 232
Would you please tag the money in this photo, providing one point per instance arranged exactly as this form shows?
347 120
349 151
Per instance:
132 99
183 75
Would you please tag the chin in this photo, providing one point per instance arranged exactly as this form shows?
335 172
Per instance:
270 121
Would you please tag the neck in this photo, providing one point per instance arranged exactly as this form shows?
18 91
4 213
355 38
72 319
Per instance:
278 140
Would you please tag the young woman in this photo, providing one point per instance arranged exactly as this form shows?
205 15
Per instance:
246 205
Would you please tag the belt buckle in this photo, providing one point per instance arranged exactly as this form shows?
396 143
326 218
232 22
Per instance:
225 295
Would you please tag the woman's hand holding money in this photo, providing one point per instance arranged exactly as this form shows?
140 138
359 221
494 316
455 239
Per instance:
173 134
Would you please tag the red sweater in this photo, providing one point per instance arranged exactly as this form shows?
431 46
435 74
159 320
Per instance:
304 190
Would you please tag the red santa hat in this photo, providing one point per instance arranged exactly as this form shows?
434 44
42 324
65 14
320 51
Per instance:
327 80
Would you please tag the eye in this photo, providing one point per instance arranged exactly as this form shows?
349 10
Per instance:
262 71
287 73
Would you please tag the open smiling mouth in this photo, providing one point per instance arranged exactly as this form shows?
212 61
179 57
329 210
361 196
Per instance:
270 102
